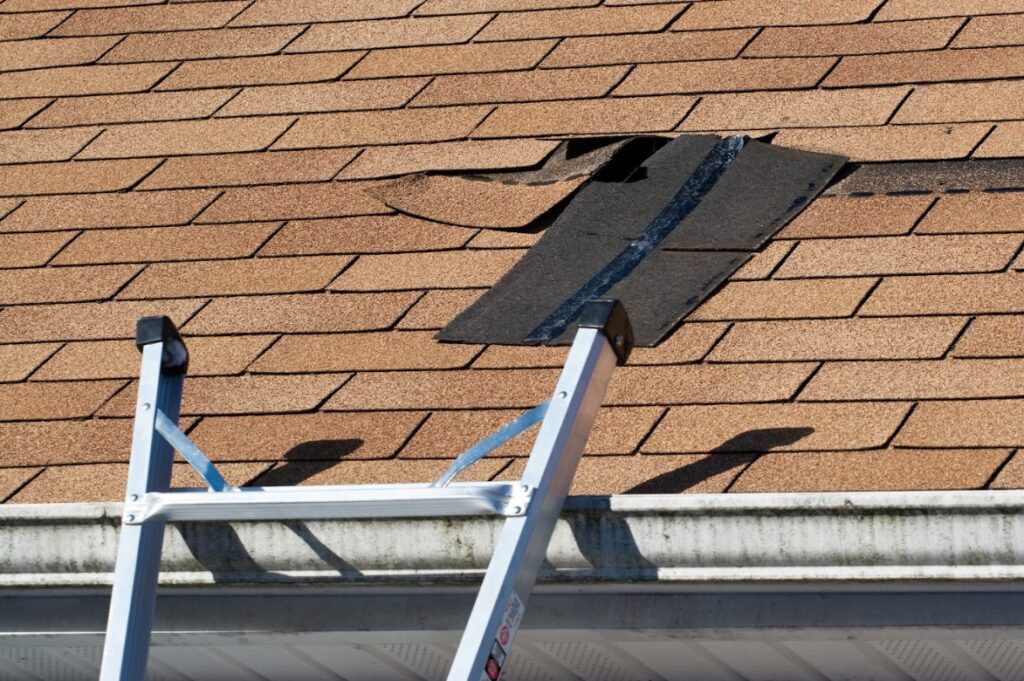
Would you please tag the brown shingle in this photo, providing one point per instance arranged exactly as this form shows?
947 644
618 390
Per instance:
1006 141
587 116
18 361
151 244
149 106
498 238
785 299
618 430
911 9
965 423
437 308
223 42
316 165
281 202
889 143
1003 99
76 176
30 250
24 146
63 284
208 356
729 13
361 35
861 338
133 209
50 442
13 479
169 17
444 269
857 216
993 336
372 472
20 26
520 86
760 110
480 389
300 437
113 319
706 383
762 264
903 36
991 31
902 469
1011 476
901 255
947 294
929 67
349 95
304 11
725 75
641 48
187 137
14 112
924 379
298 313
466 155
975 212
570 22
363 352
41 401
382 127
782 427
290 68
235 277
468 6
372 234
34 54
473 58
38 5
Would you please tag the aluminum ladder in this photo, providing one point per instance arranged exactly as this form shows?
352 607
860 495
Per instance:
530 506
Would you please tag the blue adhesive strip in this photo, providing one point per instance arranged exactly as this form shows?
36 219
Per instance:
689 196
492 442
192 454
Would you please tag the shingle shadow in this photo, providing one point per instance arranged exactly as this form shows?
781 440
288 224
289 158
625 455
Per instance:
306 460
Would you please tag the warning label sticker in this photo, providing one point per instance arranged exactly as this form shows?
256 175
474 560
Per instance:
511 616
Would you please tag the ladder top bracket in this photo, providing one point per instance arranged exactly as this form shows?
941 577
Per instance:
609 316
161 329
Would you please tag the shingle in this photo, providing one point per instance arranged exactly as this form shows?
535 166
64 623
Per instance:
725 75
187 137
76 176
989 31
133 209
975 212
570 22
762 264
773 299
80 321
991 101
888 470
465 155
297 313
890 142
149 106
472 58
26 146
154 244
316 165
437 308
372 234
618 430
18 361
993 336
445 389
587 116
707 383
7 206
843 216
759 428
359 35
206 395
372 472
168 17
20 26
63 284
304 11
520 86
911 9
382 127
964 423
469 6
279 202
729 13
271 70
235 277
13 479
56 442
14 112
39 5
304 437
1006 141
1011 476
642 47
860 338
31 250
41 401
222 42
371 351
346 95
947 294
442 269
46 52
929 67
923 379
871 38
499 238
761 110
208 356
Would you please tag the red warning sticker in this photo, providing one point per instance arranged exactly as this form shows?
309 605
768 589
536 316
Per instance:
511 616
492 669
503 635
